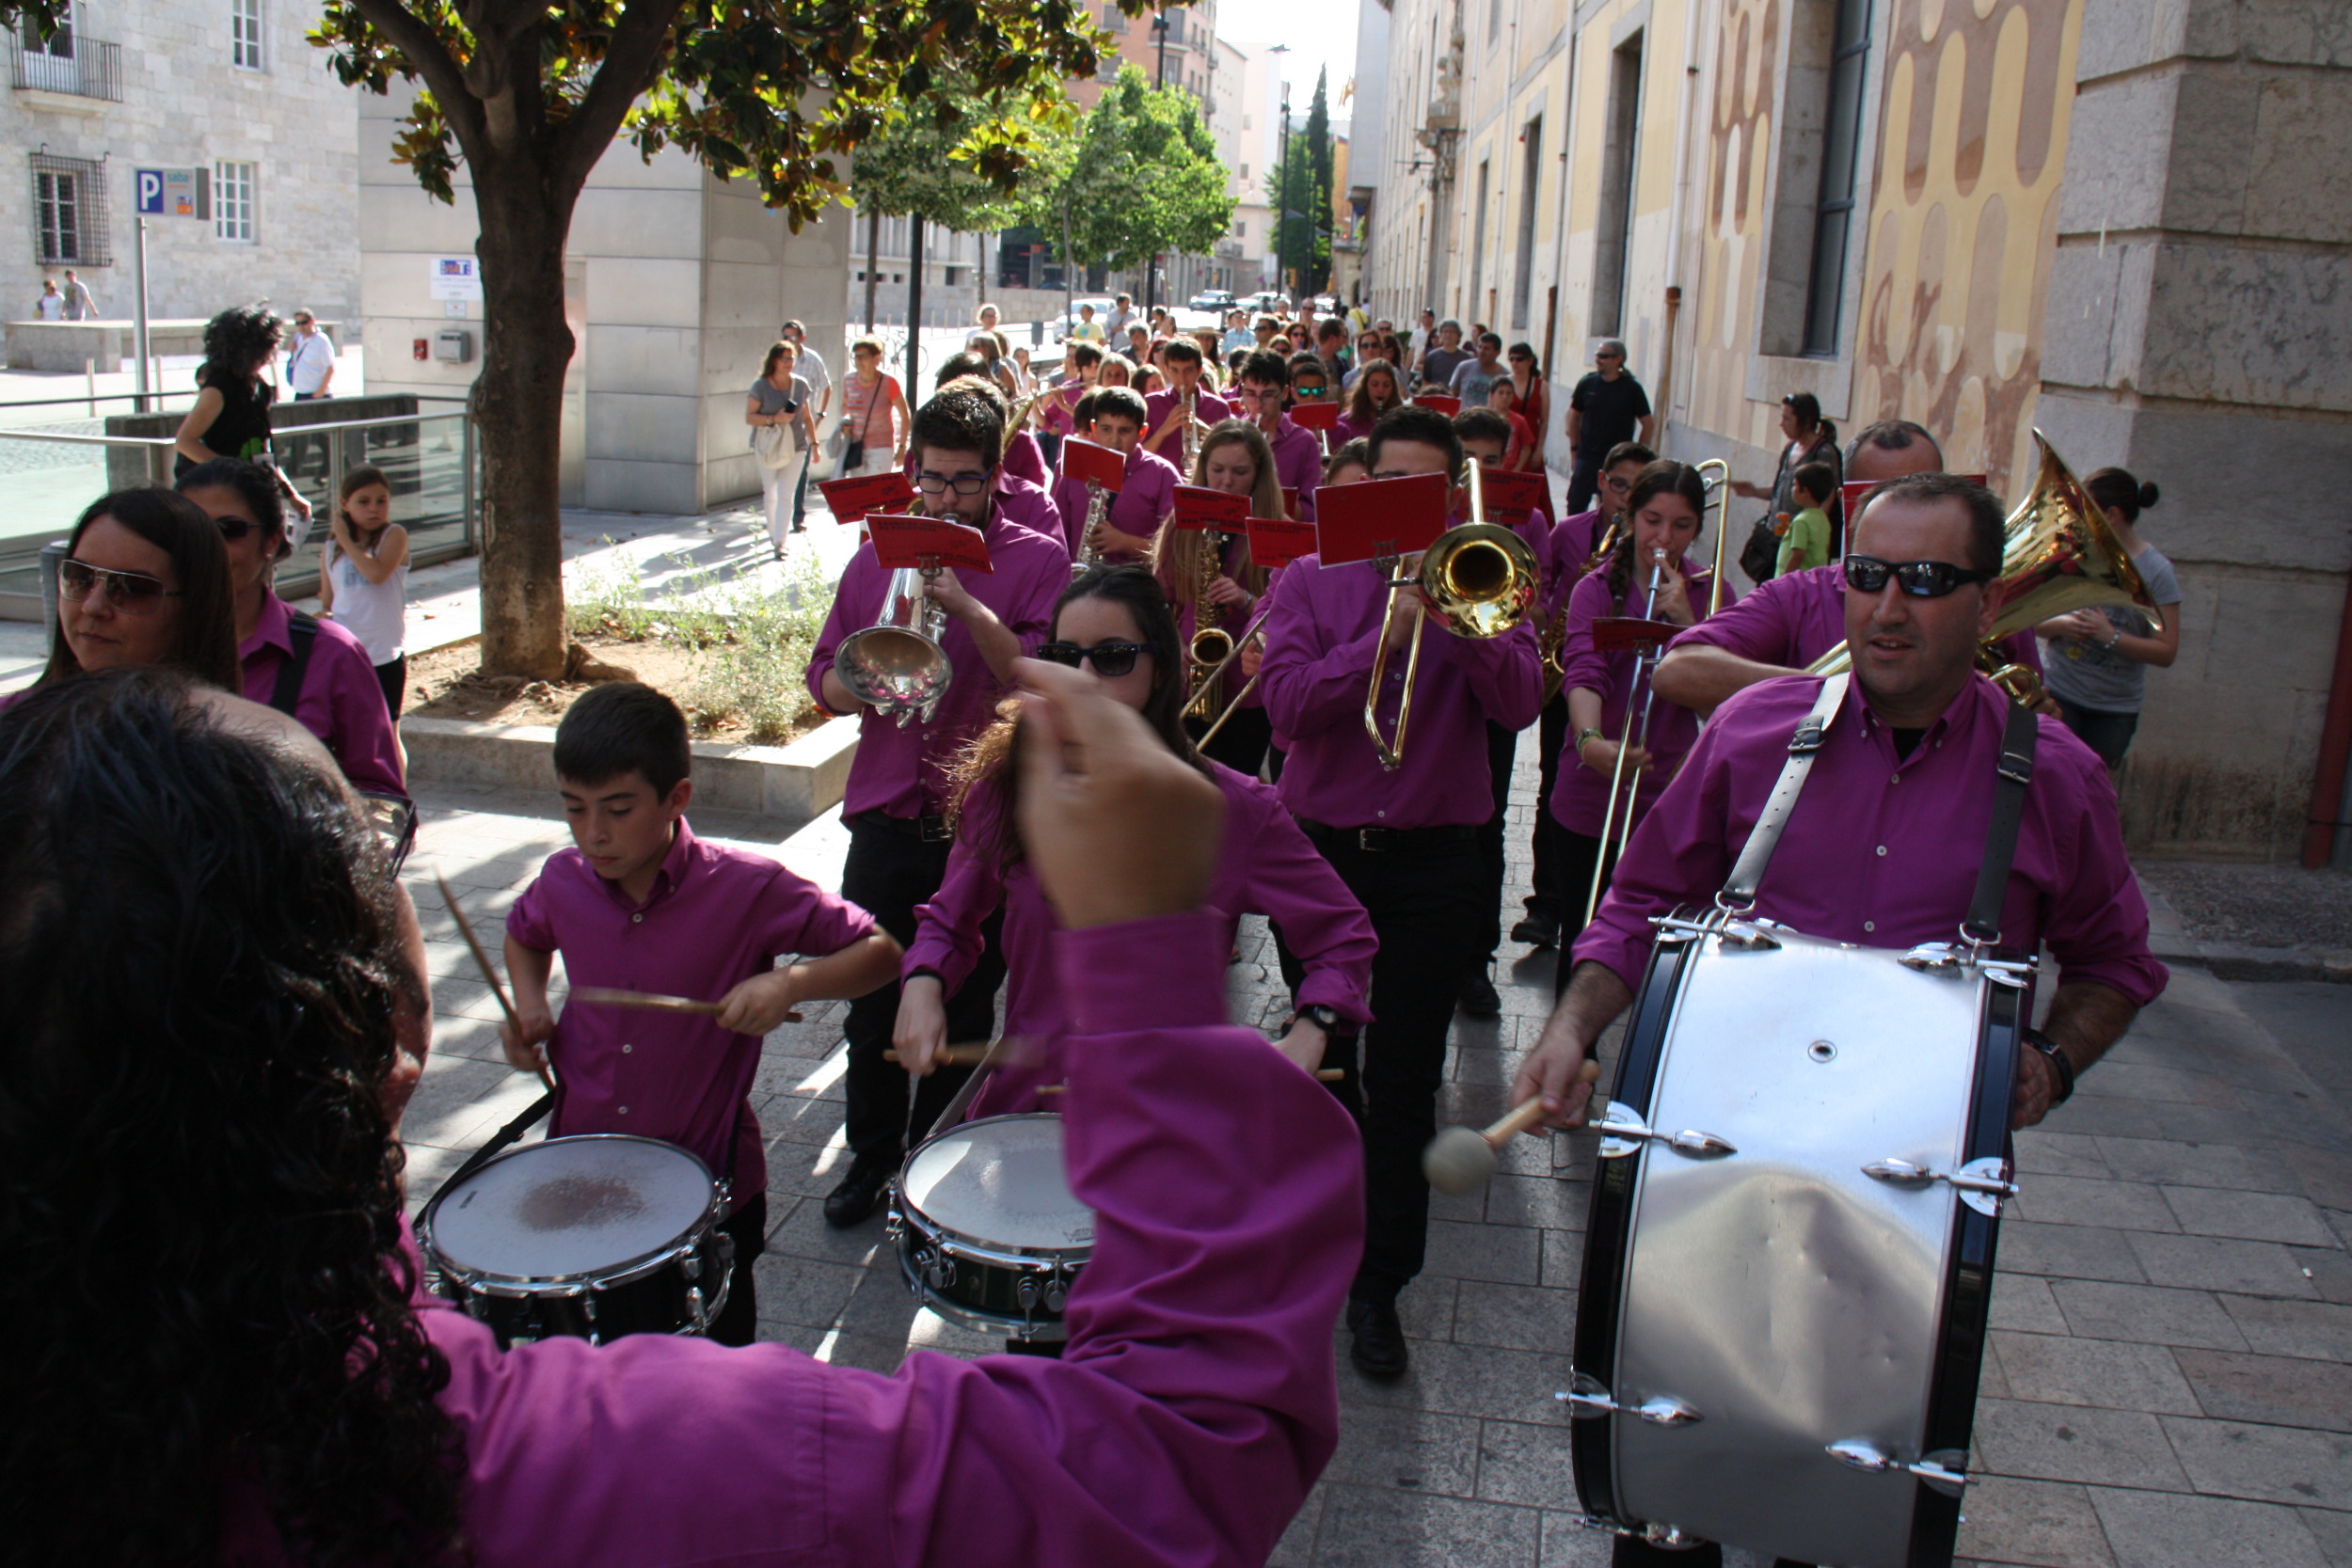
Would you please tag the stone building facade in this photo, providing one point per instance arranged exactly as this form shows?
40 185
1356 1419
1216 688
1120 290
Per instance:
2123 221
225 88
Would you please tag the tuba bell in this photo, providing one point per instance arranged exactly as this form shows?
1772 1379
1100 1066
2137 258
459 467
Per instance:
2059 554
896 666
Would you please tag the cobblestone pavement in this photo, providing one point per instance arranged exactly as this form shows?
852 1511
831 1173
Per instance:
2168 1383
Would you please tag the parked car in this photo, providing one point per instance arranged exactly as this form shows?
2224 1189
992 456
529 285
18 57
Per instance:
1212 299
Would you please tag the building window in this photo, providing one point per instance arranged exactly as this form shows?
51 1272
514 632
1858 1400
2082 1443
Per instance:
1613 225
232 202
1478 242
1841 147
244 34
70 211
1531 181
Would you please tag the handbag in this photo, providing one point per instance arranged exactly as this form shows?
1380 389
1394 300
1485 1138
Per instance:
1761 554
853 453
773 444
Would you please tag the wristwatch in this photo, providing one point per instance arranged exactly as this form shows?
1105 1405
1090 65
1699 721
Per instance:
2059 1064
1324 1018
1585 735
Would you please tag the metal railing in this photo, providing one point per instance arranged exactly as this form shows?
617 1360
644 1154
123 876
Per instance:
88 68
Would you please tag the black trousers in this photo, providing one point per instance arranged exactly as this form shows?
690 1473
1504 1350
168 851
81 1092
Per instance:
1575 854
738 1324
1241 745
393 677
1548 896
890 869
1584 485
1424 903
1502 750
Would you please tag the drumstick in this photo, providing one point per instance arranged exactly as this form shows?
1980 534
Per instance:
1323 1074
1462 1159
653 1002
951 1055
482 959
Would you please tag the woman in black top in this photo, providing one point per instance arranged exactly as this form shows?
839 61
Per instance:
231 414
1810 438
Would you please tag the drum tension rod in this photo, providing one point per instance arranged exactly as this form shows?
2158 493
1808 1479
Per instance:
1623 1130
1945 1469
1981 1184
1588 1398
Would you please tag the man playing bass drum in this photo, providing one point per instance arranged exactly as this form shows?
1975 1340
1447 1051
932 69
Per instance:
1884 846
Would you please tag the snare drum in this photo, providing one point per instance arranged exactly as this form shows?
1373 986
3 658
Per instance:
989 1236
1789 1258
590 1237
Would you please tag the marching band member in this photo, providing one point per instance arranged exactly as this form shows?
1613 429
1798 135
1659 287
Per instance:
1662 511
1405 841
1082 364
1233 458
1165 413
1263 392
310 1404
900 782
1024 458
1116 622
1374 393
1350 464
1311 379
1113 417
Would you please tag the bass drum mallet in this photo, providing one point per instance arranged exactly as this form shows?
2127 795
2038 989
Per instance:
1464 1159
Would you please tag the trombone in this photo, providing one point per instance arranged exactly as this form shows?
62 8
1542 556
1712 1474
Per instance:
1481 579
1721 487
1645 665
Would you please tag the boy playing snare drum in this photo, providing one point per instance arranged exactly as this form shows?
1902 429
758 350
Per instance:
642 904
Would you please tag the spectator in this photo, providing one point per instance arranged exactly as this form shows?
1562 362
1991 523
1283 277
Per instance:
1123 315
1807 439
2096 665
1424 337
310 362
1116 371
873 415
778 409
1608 406
1446 354
1237 333
363 578
1503 399
1471 378
1135 344
231 414
810 367
1532 398
78 303
989 319
1331 348
1264 331
1023 378
1811 488
50 307
1087 330
144 581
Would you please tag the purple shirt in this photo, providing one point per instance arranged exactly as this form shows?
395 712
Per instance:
1320 640
1208 408
1792 621
1025 459
1193 1409
903 771
1298 462
715 918
1883 853
341 700
1265 867
1141 505
1562 555
1579 797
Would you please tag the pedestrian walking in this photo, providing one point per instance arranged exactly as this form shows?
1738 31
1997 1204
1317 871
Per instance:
874 417
1608 406
2098 658
309 359
777 409
810 366
1807 439
363 578
78 303
50 307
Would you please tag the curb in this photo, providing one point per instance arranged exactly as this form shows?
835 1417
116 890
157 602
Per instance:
791 785
2230 961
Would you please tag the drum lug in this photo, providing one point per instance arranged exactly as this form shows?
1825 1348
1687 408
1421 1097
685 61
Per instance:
1981 1184
1933 957
1588 1398
937 1269
1749 935
1623 1131
1946 1470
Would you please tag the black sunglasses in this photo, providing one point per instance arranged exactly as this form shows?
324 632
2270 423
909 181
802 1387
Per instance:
133 592
234 528
1112 658
1921 579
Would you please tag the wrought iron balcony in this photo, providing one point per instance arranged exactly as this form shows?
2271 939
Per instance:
71 63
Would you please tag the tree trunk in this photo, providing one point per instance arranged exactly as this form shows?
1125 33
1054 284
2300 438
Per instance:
873 263
518 411
915 308
1069 311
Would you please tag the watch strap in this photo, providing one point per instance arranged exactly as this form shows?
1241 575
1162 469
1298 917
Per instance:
2060 1063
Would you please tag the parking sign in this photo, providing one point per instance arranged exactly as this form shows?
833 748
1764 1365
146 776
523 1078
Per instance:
151 188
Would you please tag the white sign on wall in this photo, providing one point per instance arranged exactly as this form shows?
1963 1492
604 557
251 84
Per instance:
455 276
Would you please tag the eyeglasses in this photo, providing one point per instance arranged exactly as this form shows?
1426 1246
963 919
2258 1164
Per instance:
1619 484
963 485
1600 356
1921 579
1111 659
133 592
234 528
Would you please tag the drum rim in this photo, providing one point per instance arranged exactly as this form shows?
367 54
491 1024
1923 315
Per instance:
980 1249
626 1272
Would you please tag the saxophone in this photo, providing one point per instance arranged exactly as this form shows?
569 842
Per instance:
1212 644
1554 640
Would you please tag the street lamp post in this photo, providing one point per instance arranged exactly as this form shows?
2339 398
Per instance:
1159 79
1281 191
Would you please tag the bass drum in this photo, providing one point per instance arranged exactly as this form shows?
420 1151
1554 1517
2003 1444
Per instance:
1790 1252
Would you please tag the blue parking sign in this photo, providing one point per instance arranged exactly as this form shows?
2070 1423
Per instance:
150 189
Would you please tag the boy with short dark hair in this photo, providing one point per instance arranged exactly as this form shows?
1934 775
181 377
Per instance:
1807 540
642 904
1113 416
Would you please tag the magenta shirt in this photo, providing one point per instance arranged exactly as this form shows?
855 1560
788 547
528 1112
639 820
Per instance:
715 918
1579 797
1025 459
1141 505
1298 462
1209 409
902 771
1884 853
1193 1409
1320 637
1265 867
1563 553
1793 620
341 701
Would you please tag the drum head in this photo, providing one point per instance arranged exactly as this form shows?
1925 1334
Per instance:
999 1182
569 1207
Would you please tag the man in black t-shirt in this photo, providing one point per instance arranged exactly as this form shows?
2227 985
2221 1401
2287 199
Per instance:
1608 406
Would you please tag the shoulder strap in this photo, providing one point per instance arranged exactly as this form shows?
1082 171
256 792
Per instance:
1747 873
2018 740
302 631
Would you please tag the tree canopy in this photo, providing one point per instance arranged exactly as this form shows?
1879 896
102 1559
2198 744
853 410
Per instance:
1147 179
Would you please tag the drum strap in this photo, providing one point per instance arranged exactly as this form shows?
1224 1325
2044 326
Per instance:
502 1137
1747 873
2018 740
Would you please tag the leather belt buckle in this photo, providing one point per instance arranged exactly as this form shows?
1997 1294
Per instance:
1375 841
935 830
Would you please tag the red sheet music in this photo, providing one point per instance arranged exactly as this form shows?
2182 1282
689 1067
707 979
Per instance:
1278 542
900 541
1444 405
1198 507
1511 494
1380 518
1085 462
1290 501
1315 416
853 499
1613 632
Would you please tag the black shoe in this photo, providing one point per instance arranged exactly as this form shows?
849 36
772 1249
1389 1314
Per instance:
1478 998
859 1194
1537 930
1378 1349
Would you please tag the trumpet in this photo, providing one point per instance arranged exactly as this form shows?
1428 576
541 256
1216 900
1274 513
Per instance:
899 668
1481 579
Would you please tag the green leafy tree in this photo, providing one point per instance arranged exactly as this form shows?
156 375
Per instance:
1146 180
1300 188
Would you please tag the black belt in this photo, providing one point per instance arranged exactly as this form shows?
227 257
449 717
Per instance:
927 829
1387 841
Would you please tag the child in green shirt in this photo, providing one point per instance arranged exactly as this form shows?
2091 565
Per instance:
1806 543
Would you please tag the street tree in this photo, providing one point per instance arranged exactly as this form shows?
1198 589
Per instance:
1299 187
1146 179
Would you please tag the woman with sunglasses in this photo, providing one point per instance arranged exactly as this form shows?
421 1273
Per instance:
144 581
1236 458
1663 512
1115 622
310 670
1529 401
1376 392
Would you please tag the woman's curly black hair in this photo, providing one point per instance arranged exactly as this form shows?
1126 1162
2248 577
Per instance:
237 344
207 1300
